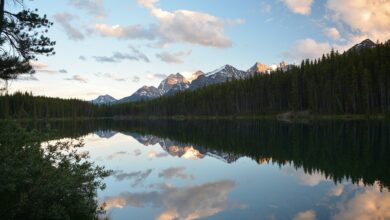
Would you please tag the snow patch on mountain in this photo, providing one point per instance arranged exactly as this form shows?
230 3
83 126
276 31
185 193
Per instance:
104 99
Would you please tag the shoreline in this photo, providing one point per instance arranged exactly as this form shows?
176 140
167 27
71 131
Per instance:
287 117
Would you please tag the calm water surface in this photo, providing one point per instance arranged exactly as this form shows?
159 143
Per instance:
239 169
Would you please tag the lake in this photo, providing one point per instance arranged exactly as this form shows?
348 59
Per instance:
226 169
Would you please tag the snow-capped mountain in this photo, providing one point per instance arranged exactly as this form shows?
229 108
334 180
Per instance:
259 68
104 99
172 84
144 93
222 74
171 81
178 88
226 72
367 43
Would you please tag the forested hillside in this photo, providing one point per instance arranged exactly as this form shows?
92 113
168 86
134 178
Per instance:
25 105
355 82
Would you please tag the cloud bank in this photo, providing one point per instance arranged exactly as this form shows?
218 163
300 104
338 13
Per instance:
180 26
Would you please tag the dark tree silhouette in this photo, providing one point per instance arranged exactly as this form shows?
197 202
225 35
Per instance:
22 38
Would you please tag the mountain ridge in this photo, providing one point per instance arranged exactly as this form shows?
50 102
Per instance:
177 82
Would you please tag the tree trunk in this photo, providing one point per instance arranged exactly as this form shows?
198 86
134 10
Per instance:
1 15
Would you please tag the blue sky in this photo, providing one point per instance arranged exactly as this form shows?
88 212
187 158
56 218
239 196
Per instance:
115 47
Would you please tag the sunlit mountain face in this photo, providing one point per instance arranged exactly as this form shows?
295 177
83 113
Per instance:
237 169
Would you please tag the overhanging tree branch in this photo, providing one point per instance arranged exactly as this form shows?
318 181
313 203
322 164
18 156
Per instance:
22 38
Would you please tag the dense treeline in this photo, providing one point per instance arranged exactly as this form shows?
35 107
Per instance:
25 105
355 82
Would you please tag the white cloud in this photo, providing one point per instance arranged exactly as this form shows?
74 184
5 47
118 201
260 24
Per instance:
189 27
173 57
137 177
128 32
110 76
307 215
117 154
42 67
157 76
180 26
178 172
332 33
78 78
94 7
302 7
304 178
118 57
65 19
366 18
37 65
154 154
336 190
366 205
306 49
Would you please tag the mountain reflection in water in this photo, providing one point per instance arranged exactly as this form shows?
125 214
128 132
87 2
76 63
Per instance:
239 169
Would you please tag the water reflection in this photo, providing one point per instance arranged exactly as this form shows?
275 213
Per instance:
137 177
369 203
177 149
239 169
179 202
358 150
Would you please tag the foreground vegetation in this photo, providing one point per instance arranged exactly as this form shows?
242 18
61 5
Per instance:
49 181
356 82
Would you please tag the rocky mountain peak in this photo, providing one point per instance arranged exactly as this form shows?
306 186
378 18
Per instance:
259 68
367 43
172 80
104 99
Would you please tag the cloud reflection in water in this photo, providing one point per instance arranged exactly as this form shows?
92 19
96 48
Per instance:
179 202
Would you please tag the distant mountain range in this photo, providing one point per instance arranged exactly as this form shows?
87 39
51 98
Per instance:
176 82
